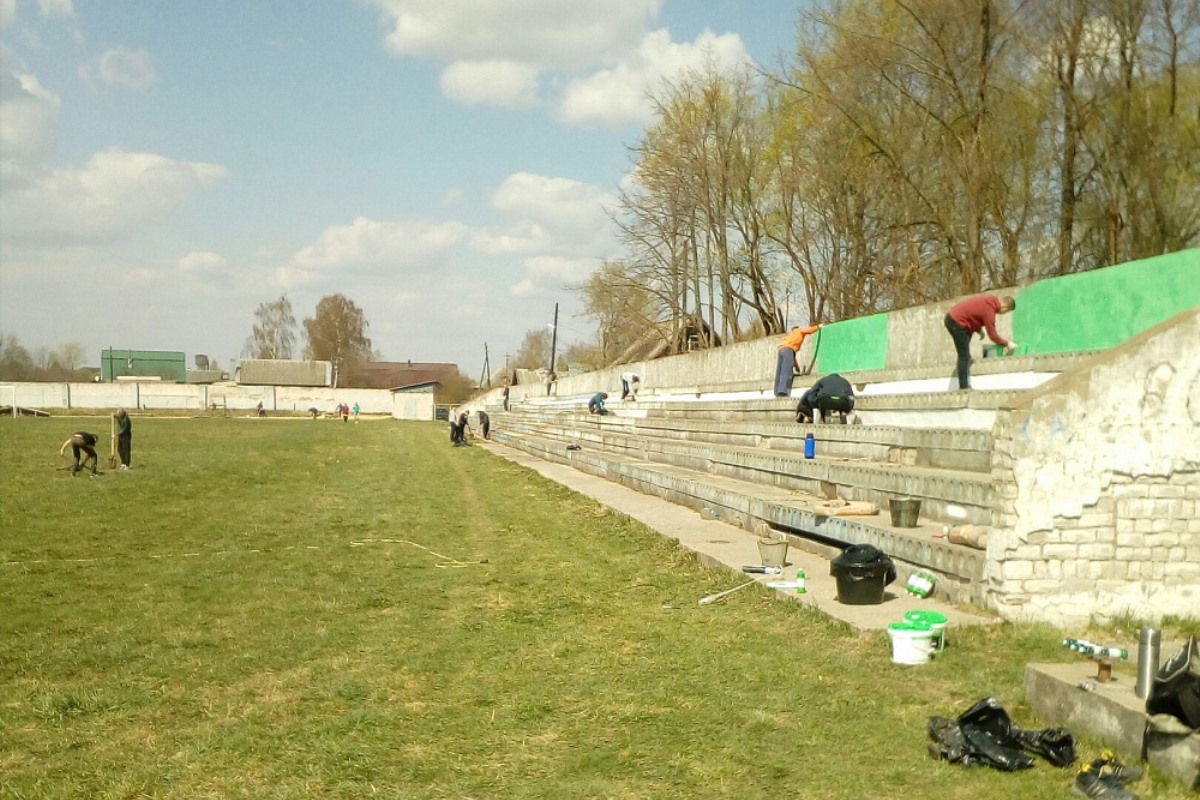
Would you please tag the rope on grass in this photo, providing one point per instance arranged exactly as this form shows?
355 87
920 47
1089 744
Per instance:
446 561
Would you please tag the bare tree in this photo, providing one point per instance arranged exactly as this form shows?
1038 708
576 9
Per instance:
274 333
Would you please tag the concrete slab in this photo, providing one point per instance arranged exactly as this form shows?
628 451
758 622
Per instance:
720 544
1069 695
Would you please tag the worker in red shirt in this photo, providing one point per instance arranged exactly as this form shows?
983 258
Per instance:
789 348
971 316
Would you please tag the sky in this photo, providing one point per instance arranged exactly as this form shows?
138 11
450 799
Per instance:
448 165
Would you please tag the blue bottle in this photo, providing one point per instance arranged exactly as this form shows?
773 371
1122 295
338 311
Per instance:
810 446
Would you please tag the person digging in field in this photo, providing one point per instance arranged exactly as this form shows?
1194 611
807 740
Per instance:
831 393
124 437
459 428
82 441
974 315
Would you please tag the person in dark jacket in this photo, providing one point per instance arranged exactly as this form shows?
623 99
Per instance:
124 437
596 404
973 315
831 393
82 441
485 423
459 428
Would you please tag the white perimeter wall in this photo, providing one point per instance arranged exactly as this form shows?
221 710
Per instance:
179 396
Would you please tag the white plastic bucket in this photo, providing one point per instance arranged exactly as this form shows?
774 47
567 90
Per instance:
936 623
912 642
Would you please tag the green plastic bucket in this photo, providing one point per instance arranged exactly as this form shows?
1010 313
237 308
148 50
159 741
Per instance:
912 642
936 622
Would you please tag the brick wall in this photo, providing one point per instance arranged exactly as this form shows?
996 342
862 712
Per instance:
1098 487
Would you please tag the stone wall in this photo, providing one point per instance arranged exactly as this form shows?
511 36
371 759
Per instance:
1098 480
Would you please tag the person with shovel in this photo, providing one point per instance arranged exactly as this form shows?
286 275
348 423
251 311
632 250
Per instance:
124 437
82 441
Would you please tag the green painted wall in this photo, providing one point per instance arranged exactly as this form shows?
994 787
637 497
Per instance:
1104 307
853 344
170 365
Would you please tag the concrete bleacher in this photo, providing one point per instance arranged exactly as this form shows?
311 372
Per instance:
735 452
1082 465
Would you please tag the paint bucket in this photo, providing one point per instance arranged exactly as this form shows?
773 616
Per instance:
912 642
935 621
905 511
773 552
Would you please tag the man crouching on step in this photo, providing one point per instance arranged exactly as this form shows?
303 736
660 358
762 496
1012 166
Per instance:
85 442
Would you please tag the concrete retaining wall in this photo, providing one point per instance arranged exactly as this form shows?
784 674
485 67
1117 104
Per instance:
1098 473
1089 311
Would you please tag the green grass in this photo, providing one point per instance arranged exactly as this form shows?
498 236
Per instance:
289 608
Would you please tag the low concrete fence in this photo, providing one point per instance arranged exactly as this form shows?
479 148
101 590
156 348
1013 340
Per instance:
188 397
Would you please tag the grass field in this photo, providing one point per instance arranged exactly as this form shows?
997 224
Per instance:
296 608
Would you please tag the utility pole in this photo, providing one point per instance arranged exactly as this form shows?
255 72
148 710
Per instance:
554 339
487 368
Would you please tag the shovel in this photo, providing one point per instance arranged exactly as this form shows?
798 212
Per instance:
112 443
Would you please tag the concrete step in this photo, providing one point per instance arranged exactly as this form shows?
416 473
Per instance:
969 410
965 450
758 506
947 495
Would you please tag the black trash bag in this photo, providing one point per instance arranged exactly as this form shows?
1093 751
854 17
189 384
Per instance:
1056 745
1176 687
949 742
861 562
989 730
985 734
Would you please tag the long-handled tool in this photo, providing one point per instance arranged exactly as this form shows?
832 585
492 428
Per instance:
816 349
112 443
712 598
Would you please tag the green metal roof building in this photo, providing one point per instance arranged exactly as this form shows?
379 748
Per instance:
167 365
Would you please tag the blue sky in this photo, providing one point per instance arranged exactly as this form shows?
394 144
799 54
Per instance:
165 167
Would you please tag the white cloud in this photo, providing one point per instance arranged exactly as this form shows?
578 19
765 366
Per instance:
496 83
523 289
560 226
115 194
56 8
561 270
203 264
119 67
368 244
620 95
565 214
28 123
541 32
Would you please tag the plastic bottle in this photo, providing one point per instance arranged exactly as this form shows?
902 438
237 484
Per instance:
800 581
810 446
920 584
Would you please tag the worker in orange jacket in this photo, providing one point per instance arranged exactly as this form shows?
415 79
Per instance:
789 349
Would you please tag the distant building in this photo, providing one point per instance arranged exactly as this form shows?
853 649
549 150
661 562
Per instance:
162 365
391 374
281 372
